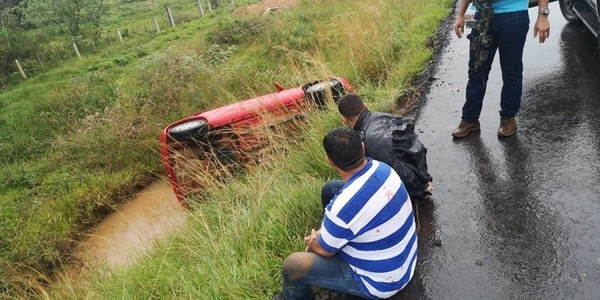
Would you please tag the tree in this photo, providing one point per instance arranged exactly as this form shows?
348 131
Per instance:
5 4
78 17
11 13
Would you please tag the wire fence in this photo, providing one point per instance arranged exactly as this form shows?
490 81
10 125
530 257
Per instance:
53 54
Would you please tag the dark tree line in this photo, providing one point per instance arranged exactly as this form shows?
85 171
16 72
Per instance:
62 22
67 20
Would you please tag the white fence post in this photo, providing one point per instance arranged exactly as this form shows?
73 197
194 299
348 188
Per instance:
20 69
200 9
76 50
171 20
156 25
119 35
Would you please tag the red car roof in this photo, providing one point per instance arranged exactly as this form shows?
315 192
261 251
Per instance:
240 110
281 103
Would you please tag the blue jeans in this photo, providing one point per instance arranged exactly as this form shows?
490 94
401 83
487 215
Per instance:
302 269
508 32
329 190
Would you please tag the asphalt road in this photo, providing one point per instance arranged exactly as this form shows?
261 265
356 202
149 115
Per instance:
515 218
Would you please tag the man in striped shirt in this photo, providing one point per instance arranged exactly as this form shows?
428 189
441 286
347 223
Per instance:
367 243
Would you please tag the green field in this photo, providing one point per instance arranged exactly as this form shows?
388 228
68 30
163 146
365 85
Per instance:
81 137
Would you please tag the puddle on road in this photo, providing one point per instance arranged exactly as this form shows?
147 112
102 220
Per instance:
131 231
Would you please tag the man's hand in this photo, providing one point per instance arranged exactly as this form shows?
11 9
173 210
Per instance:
309 239
459 26
542 27
429 189
313 246
459 23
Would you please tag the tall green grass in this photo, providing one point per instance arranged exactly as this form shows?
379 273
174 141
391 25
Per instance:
80 139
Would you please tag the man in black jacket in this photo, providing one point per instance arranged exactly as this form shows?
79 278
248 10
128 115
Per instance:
390 139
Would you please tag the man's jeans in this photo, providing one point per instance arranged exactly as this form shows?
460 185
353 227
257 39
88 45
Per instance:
329 190
331 273
327 272
508 31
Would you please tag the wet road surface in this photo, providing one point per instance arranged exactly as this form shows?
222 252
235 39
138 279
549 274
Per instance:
515 218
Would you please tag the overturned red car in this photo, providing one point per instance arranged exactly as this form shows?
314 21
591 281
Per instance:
217 141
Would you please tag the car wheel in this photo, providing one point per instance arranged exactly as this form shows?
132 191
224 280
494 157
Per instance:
190 130
318 91
566 8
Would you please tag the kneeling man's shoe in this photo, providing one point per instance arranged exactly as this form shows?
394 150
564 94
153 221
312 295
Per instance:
508 127
279 296
464 128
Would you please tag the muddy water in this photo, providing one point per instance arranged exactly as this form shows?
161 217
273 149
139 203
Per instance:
132 230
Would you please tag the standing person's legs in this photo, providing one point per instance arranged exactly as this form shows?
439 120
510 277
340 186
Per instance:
329 190
476 85
300 270
511 31
511 34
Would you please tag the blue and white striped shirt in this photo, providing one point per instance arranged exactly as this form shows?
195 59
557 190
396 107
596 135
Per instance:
370 225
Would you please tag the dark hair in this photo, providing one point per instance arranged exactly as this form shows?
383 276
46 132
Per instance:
351 105
344 147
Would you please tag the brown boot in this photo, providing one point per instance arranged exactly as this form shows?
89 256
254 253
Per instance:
464 128
508 126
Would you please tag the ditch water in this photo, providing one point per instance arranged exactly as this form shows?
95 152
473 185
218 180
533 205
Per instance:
131 231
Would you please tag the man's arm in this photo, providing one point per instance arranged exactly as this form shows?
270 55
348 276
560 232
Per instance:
312 244
542 25
410 162
459 23
409 177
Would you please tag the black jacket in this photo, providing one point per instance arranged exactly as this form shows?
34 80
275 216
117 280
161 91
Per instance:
391 139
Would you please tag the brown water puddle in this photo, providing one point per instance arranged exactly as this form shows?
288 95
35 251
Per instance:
131 231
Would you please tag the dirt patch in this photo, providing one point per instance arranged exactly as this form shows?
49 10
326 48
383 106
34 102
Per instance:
410 102
266 6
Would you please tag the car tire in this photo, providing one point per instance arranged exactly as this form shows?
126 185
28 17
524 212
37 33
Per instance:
317 91
566 8
188 131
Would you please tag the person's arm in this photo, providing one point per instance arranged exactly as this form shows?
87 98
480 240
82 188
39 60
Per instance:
411 180
312 244
429 189
459 23
542 25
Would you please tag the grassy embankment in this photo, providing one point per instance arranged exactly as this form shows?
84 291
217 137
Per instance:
81 138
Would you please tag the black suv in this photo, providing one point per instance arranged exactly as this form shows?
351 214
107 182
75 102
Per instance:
580 11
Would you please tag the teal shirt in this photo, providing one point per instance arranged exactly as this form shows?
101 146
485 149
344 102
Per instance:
506 6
